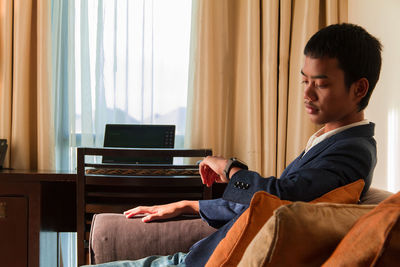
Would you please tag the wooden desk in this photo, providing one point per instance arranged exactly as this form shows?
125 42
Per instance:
35 202
32 202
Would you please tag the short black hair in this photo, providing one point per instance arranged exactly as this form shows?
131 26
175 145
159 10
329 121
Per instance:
357 51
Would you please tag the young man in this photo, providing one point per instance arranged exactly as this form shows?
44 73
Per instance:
342 65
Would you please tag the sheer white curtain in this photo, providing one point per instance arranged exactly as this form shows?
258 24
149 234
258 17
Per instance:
118 61
115 61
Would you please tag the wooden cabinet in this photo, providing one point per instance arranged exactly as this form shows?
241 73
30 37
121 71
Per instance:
30 203
37 205
19 224
14 231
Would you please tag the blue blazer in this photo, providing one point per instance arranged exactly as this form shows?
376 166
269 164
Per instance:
339 160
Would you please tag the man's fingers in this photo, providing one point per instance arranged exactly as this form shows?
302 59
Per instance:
151 213
134 210
211 170
138 210
150 217
156 216
129 215
133 214
205 175
209 177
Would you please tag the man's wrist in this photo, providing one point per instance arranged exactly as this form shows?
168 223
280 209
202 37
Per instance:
234 163
190 206
233 171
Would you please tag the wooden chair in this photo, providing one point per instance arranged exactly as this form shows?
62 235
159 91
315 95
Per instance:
114 188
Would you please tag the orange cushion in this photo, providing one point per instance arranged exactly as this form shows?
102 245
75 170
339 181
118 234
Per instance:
231 249
374 240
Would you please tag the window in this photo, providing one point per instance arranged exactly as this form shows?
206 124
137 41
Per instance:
117 61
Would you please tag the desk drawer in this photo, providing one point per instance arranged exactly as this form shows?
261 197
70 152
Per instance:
14 231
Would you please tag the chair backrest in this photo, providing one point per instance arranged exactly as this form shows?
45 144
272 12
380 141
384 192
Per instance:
114 188
374 196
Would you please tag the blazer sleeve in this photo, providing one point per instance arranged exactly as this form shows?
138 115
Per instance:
217 212
310 176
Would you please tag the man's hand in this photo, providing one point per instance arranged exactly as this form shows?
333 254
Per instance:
167 211
212 170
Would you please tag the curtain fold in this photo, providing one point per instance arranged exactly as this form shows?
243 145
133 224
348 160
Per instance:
26 118
6 30
245 98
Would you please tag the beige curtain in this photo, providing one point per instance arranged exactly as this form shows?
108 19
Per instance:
245 98
25 96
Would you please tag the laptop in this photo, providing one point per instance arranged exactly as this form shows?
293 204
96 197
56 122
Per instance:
139 136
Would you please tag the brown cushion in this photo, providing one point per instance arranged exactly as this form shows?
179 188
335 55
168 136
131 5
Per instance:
309 232
374 240
114 237
230 250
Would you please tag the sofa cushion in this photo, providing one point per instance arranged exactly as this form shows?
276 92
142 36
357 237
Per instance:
230 250
302 234
374 240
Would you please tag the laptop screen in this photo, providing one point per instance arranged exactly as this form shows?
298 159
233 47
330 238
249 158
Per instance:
139 136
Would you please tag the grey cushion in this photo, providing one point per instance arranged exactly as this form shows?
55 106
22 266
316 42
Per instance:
374 196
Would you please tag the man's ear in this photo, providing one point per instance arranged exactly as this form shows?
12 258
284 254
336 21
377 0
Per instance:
361 87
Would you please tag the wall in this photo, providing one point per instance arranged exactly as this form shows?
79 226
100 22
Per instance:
381 18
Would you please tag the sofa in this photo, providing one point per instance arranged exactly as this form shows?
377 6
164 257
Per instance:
296 226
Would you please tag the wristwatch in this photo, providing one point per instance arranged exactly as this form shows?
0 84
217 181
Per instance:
234 162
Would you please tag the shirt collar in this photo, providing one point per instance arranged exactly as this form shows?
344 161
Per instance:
318 137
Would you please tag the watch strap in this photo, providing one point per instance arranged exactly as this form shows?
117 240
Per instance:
234 162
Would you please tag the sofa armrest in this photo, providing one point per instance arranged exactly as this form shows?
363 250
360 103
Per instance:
113 237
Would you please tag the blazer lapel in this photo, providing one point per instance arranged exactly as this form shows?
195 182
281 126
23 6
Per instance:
358 131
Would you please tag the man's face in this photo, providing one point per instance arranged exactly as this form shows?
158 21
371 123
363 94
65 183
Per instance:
327 100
